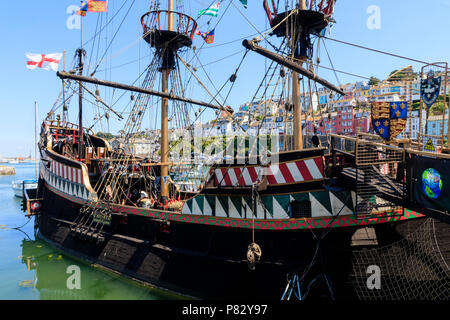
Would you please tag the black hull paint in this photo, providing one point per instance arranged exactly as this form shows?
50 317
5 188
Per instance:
209 261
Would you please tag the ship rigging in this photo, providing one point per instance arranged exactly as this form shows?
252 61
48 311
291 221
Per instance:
267 205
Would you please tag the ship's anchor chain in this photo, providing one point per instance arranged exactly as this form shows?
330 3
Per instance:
253 255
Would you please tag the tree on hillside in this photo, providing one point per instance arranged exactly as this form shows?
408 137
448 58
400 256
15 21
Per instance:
400 75
105 135
373 81
390 74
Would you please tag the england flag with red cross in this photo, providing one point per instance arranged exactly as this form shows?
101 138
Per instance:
43 61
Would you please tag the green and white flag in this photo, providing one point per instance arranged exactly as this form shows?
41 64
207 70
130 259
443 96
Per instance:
211 11
244 3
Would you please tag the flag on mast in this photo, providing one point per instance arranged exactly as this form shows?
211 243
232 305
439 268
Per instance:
211 11
97 6
83 9
207 36
93 6
43 61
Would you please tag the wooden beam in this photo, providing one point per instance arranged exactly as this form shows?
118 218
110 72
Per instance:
290 64
67 75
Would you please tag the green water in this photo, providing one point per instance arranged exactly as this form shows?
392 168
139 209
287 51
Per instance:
31 269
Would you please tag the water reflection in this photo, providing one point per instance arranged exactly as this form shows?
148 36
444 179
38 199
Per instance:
50 278
31 269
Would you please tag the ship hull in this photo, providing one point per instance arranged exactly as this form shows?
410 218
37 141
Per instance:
206 261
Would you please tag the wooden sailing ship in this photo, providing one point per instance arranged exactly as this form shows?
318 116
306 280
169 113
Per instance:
302 211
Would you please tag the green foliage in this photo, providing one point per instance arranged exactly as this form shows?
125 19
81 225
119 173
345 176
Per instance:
437 109
214 145
416 106
105 135
373 81
400 75
390 74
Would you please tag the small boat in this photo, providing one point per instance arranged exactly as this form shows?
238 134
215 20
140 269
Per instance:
18 186
13 162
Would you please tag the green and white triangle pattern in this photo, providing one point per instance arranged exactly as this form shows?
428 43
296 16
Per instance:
195 205
247 211
353 193
260 211
207 209
323 204
317 208
220 211
66 186
338 206
186 209
233 210
280 205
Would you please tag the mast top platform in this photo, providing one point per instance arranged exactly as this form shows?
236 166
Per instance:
297 22
159 34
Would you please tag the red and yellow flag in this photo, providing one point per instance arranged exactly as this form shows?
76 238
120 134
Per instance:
97 6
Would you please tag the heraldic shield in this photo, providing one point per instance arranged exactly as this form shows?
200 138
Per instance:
429 90
389 118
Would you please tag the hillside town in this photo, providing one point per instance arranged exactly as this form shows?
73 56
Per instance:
324 112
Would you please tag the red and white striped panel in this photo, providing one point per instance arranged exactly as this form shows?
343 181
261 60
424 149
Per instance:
283 173
237 176
66 172
298 171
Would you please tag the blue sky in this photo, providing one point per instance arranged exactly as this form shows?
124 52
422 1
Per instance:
413 28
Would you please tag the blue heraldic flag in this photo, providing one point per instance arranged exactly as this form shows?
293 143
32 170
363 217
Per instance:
429 90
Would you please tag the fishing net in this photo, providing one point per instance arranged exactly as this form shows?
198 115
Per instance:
414 268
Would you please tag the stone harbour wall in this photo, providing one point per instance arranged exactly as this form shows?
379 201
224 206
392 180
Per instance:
7 171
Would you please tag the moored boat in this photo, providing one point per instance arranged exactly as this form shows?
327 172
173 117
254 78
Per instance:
19 186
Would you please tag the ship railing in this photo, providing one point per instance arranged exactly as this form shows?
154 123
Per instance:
429 143
159 20
369 136
380 177
377 169
62 129
343 144
58 124
380 170
78 164
308 142
444 156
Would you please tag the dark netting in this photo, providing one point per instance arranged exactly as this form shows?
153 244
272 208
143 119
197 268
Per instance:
414 268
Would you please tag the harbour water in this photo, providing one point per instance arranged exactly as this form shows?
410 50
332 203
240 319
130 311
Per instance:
30 269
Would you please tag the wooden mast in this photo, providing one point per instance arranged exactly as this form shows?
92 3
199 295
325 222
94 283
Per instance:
64 89
297 112
80 96
446 105
164 120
